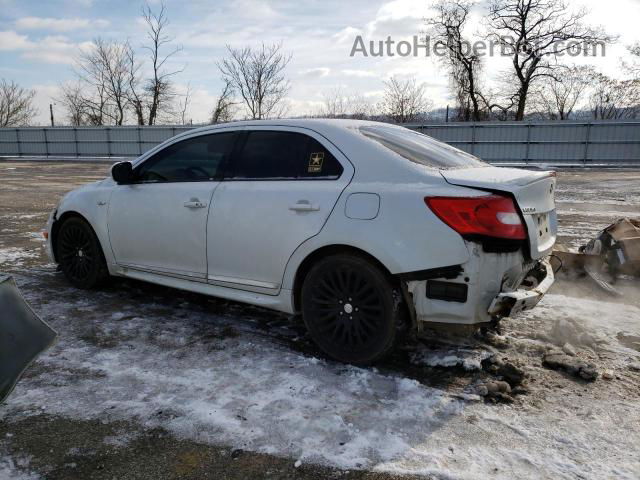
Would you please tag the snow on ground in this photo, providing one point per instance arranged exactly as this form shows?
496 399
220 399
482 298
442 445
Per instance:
469 359
245 392
248 392
563 441
15 257
568 437
603 320
16 469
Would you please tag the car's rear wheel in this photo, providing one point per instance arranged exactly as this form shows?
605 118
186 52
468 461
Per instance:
79 254
350 308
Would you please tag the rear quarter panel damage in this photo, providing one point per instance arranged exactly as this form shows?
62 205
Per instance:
485 274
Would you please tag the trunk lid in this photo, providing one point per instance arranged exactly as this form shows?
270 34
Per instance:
533 192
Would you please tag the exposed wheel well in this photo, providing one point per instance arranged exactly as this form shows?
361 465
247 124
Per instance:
55 228
323 252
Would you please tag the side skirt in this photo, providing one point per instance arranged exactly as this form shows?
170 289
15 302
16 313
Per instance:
283 302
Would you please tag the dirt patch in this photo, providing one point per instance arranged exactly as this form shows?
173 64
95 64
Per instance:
63 449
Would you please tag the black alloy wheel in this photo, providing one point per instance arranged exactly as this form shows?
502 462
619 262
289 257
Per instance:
79 254
349 307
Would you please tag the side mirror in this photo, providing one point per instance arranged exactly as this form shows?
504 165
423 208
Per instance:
122 173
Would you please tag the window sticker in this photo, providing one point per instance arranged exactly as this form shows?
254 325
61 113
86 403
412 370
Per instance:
315 162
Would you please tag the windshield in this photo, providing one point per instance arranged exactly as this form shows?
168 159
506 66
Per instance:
420 148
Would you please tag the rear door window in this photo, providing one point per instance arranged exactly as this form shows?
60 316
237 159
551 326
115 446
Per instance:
280 155
420 148
195 159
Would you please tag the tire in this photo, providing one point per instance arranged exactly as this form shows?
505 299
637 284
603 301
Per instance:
351 309
79 254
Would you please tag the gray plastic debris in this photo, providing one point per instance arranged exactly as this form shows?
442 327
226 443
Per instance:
23 335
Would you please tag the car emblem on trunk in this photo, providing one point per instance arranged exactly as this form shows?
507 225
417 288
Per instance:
528 209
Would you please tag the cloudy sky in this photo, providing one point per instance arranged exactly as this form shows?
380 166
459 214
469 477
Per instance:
40 40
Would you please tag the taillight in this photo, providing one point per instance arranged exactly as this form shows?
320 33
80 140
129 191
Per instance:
490 215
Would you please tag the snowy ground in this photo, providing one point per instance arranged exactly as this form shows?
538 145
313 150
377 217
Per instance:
136 359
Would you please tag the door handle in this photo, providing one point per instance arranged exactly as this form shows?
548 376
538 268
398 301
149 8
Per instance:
304 206
194 203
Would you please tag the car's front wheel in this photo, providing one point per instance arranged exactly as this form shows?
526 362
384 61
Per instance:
79 254
350 308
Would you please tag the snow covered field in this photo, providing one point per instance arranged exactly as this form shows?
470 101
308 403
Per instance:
217 373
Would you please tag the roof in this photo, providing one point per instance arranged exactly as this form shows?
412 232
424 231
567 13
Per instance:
318 124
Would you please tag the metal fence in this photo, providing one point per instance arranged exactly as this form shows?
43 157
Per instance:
611 143
83 141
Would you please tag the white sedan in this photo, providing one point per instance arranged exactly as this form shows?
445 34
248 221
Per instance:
369 230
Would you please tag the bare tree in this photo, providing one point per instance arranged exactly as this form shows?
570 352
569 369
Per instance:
105 68
359 107
102 90
72 99
338 104
462 62
159 88
16 105
633 67
97 105
184 105
137 96
615 99
404 101
557 98
257 75
334 104
535 33
224 110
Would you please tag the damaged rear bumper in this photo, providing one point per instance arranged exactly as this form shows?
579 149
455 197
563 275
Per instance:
488 286
506 304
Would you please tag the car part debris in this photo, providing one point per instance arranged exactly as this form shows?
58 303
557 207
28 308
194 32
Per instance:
597 276
613 252
23 335
619 245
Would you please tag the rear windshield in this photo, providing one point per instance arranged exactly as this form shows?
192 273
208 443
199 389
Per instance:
420 148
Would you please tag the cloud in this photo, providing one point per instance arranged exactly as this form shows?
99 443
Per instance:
359 73
54 49
398 18
316 72
346 35
11 41
58 24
